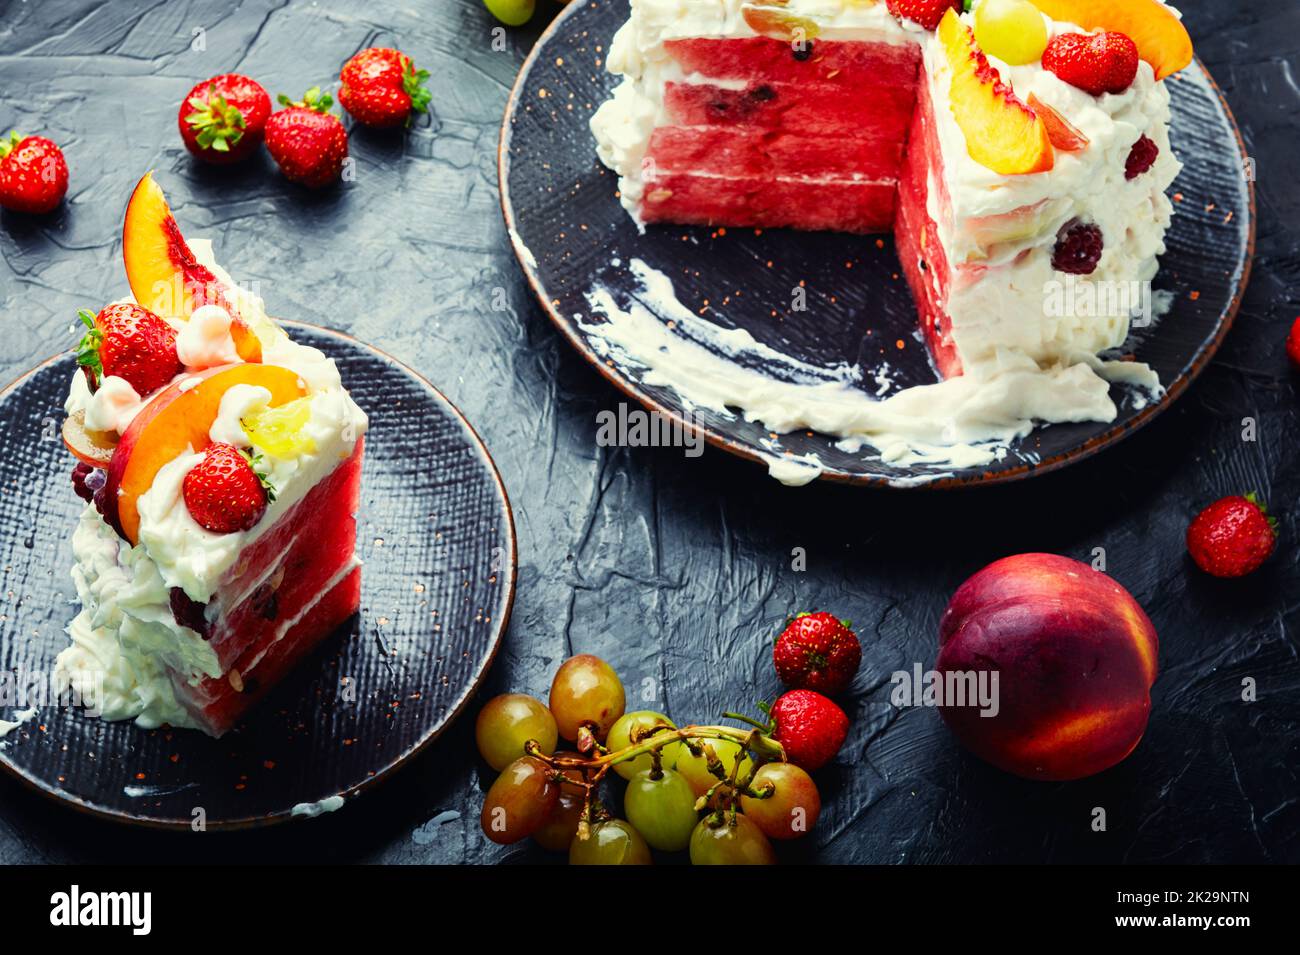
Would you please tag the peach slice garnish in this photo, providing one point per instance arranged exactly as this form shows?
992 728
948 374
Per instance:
1161 38
1063 134
178 417
163 273
1002 133
94 448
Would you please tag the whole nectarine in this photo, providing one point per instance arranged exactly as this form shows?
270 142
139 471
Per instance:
1074 656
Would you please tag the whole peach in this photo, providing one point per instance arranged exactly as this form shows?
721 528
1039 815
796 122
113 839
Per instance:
1075 658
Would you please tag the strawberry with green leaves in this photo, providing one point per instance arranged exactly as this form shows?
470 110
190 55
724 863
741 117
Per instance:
33 174
129 342
381 87
225 492
1232 537
817 651
223 119
306 140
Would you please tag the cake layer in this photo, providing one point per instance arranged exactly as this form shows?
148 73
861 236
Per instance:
288 565
719 151
853 64
837 205
811 109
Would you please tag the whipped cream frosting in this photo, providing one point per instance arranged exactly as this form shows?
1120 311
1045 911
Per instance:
1024 362
125 640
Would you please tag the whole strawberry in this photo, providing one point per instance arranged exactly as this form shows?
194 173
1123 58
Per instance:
927 13
223 119
306 140
818 652
1232 537
130 342
223 491
381 87
1293 344
33 174
810 727
1095 63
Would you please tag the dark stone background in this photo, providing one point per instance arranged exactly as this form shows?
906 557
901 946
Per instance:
678 570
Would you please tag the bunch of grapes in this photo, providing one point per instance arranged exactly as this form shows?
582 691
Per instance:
721 792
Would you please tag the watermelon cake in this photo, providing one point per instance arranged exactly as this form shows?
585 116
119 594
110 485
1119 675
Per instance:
1014 148
221 465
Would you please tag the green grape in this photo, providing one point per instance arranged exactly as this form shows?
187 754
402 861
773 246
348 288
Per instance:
791 810
662 810
519 802
696 768
614 842
586 690
620 735
513 13
740 844
507 722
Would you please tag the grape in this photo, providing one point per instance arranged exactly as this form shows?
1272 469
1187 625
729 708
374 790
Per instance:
586 690
513 13
614 842
620 735
558 830
1011 30
507 722
739 844
696 769
662 810
790 811
519 802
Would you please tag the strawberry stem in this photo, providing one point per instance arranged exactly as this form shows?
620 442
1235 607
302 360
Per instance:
10 144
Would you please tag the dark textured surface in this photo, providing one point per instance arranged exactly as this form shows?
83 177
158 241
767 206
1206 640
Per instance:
678 571
436 540
565 209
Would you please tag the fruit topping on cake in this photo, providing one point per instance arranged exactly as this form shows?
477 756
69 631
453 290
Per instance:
1098 63
224 492
131 343
1078 249
1002 133
1012 30
772 21
165 276
1141 157
1065 136
1160 36
925 13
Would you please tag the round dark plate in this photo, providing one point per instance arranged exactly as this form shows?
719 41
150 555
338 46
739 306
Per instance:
560 204
437 539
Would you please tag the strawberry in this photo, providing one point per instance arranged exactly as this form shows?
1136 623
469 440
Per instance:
1094 62
224 492
306 140
810 727
223 119
1232 536
817 652
33 174
382 87
130 342
927 13
1293 344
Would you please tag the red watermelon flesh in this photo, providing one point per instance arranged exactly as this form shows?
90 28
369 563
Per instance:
294 586
853 64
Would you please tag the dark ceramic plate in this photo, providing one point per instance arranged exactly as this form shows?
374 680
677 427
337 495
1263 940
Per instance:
438 542
560 203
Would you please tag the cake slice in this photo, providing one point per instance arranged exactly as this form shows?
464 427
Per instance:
221 462
1006 173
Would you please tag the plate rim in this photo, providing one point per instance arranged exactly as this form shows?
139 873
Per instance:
1025 470
122 818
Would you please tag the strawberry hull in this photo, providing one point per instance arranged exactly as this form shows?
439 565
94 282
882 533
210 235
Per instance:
293 587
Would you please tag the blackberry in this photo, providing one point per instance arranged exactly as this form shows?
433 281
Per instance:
1078 249
1140 158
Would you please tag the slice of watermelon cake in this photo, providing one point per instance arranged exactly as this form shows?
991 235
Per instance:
221 464
1011 149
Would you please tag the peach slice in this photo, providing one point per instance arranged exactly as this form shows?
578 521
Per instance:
1160 36
94 448
1002 133
1064 135
178 417
164 275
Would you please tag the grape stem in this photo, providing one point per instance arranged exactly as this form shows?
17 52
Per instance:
762 746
